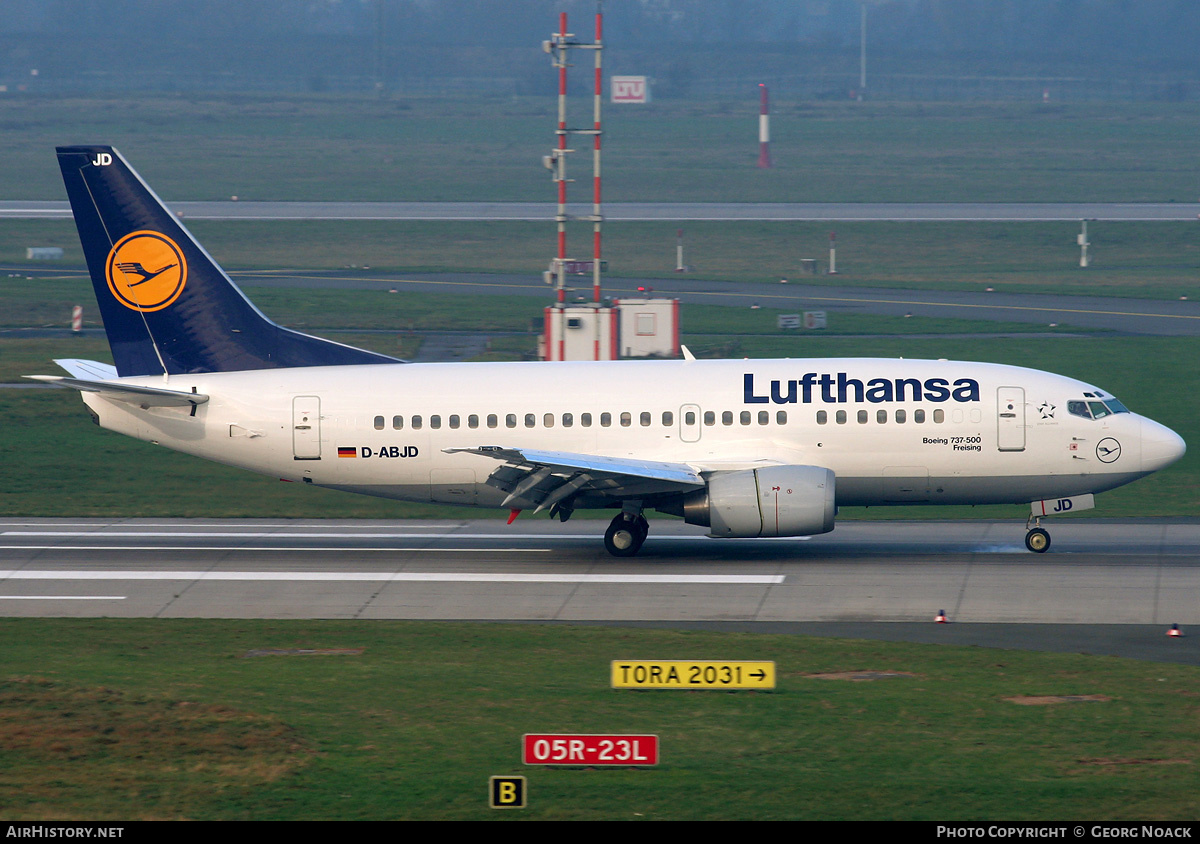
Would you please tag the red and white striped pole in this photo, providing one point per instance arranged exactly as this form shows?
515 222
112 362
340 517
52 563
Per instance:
560 315
77 318
562 149
764 130
598 99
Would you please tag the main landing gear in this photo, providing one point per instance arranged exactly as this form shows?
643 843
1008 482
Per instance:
626 533
1037 539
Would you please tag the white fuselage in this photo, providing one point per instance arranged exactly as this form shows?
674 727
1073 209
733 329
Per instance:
892 431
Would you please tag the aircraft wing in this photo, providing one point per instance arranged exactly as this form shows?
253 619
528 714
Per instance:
539 479
128 393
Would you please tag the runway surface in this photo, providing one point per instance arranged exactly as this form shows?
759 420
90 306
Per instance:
1104 587
646 211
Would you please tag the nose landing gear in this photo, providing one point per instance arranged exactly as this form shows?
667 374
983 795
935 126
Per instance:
1037 539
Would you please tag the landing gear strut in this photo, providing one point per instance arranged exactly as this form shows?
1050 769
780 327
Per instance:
625 534
1037 539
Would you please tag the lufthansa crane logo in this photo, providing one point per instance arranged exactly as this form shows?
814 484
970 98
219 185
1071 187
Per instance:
1108 450
146 271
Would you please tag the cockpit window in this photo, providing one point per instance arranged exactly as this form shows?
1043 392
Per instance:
1095 409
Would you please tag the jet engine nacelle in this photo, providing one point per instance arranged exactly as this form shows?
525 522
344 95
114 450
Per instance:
771 501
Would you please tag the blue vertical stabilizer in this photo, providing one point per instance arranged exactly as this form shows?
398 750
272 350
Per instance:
166 304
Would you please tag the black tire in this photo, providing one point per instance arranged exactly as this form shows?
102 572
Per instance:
1037 541
625 535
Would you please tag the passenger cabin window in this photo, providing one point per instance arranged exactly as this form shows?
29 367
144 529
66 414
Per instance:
416 423
398 422
710 417
568 420
378 423
454 420
473 421
548 420
585 419
781 417
510 421
822 417
668 419
435 421
605 420
626 419
530 420
492 421
644 419
727 417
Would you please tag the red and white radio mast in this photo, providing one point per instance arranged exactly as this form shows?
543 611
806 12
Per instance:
559 46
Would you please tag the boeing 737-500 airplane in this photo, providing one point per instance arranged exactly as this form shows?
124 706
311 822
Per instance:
746 448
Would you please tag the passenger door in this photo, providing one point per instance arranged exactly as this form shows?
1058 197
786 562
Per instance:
306 428
1010 418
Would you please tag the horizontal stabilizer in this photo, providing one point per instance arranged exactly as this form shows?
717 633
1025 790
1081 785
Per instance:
88 370
128 393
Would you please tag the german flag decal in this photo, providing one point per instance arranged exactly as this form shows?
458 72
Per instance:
347 452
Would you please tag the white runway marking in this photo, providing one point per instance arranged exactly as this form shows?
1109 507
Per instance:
388 577
102 526
313 535
252 548
62 597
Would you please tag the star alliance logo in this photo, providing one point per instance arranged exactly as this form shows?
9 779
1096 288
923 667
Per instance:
1047 410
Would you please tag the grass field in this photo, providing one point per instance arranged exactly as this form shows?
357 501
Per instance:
411 148
174 719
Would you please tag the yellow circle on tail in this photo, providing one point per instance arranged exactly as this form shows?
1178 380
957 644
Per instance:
146 271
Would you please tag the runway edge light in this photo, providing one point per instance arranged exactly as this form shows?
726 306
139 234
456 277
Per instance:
1175 632
940 618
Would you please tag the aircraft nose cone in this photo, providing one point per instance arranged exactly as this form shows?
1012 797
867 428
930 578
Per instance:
1160 446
